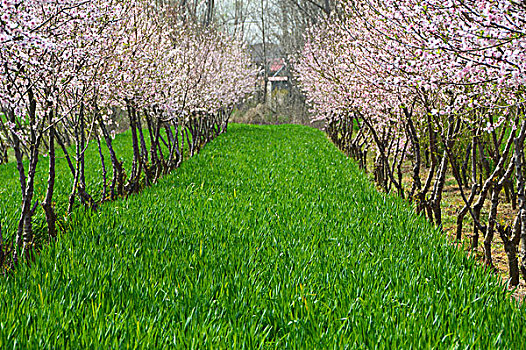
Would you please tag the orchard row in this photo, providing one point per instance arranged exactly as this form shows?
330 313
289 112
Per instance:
439 84
69 69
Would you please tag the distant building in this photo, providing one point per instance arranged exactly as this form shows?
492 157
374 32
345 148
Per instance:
277 69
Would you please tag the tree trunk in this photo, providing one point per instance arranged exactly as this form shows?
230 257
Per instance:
117 182
104 173
24 237
65 151
510 247
133 182
521 195
47 205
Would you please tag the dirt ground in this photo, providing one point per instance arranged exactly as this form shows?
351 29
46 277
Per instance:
451 204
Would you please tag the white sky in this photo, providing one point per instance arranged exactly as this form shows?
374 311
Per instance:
252 14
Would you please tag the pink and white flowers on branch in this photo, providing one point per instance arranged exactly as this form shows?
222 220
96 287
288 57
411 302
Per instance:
438 82
66 66
209 71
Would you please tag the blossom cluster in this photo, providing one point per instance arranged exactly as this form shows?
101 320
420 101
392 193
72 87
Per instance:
447 57
64 53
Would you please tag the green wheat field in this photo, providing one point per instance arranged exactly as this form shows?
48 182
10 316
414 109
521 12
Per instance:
269 238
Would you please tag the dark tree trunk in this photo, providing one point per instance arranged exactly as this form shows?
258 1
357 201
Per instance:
153 145
176 146
144 149
47 205
492 219
474 186
171 141
133 182
3 152
510 247
65 151
415 142
438 189
521 195
24 237
117 182
79 180
490 229
104 172
465 165
487 186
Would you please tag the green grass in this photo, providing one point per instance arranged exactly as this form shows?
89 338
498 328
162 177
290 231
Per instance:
269 238
10 195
